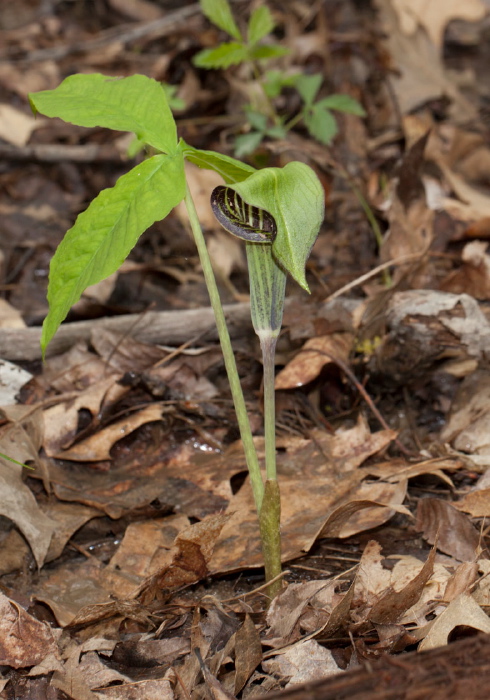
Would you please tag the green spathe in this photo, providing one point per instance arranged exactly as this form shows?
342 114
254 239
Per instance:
295 198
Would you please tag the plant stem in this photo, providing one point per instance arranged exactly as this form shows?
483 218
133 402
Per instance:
268 341
294 120
270 534
270 513
228 356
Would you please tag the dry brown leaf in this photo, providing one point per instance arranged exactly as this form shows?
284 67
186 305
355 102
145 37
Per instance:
405 594
314 355
368 507
469 420
462 611
98 447
248 652
461 581
17 502
25 641
398 470
191 555
61 420
146 545
455 535
420 73
472 204
434 16
47 76
16 127
410 218
10 317
285 611
476 503
393 604
304 662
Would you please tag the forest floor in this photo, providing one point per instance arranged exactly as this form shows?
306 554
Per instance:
130 559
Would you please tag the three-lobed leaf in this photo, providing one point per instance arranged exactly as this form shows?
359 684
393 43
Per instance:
295 198
136 104
104 234
219 13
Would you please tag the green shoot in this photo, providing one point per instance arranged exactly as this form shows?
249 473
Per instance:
278 211
245 48
20 464
264 121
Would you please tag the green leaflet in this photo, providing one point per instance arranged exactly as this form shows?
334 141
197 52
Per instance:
230 169
137 104
104 234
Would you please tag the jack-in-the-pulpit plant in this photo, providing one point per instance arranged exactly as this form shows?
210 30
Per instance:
277 211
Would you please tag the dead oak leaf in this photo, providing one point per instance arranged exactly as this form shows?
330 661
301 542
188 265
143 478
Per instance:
24 641
455 534
434 16
462 611
190 559
313 356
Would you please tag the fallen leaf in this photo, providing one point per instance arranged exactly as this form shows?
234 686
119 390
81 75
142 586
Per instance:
461 581
462 611
248 652
420 74
98 447
476 503
304 662
368 507
313 356
25 641
434 17
393 604
15 126
285 611
441 521
17 502
191 555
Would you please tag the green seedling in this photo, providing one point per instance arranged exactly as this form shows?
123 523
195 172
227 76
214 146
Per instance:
245 48
277 211
20 464
262 116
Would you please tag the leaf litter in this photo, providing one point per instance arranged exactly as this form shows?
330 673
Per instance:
130 556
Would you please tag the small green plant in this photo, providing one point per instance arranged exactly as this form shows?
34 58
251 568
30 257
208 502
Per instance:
20 464
277 211
262 116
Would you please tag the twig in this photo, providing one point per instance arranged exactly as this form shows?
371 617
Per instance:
373 273
256 590
122 34
350 374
